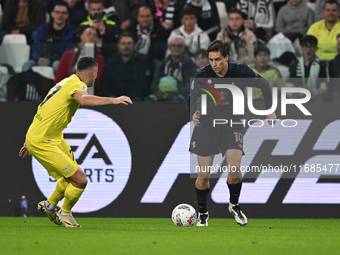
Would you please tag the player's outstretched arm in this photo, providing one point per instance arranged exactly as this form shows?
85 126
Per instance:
24 152
89 100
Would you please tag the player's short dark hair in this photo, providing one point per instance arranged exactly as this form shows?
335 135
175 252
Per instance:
219 46
97 2
86 62
309 40
189 11
61 3
128 34
260 49
235 10
331 2
201 52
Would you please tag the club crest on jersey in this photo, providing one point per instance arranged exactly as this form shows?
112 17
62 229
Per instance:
223 95
83 87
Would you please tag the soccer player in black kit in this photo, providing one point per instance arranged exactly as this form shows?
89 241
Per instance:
207 140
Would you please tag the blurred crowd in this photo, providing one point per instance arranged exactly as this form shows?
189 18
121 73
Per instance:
149 49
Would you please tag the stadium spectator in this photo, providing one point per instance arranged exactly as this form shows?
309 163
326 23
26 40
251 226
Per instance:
278 4
240 38
49 5
294 19
201 58
207 15
171 81
259 17
326 31
165 13
69 59
22 17
229 4
319 9
334 74
107 29
127 11
52 39
309 72
77 12
151 35
127 72
193 35
267 71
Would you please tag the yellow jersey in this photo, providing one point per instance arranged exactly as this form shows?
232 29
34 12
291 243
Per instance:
326 39
56 111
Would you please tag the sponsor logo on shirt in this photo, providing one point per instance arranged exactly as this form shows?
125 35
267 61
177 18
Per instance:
38 116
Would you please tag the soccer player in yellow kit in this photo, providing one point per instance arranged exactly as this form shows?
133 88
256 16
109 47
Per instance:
45 142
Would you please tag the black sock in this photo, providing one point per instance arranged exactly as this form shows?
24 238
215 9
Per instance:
202 197
234 190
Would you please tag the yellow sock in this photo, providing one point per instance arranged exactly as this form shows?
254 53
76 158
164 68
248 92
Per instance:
59 192
72 195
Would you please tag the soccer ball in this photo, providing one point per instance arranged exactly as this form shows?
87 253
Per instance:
184 215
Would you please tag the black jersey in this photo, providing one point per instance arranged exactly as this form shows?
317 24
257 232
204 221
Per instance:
220 102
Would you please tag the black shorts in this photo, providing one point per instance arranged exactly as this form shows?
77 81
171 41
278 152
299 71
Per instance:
207 140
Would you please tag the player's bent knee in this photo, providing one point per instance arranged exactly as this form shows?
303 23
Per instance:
203 180
83 179
81 183
232 180
84 182
79 179
204 176
234 166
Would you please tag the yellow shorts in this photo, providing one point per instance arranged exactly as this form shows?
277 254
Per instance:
55 156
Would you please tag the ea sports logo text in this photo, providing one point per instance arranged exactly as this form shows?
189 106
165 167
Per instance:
238 100
102 151
97 174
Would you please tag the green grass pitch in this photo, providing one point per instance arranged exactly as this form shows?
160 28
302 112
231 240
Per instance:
161 236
